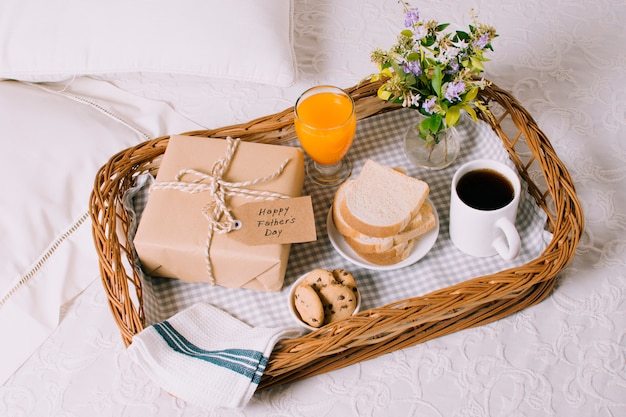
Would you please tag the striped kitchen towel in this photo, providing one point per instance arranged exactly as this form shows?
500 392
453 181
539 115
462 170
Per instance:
205 356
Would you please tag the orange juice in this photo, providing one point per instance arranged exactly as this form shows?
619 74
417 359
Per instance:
325 124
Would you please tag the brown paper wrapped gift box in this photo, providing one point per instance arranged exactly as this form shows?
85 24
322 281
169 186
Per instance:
171 239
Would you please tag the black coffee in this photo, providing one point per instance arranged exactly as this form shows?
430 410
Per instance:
485 189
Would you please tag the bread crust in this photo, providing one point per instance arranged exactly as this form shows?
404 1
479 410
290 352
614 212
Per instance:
392 256
340 224
420 224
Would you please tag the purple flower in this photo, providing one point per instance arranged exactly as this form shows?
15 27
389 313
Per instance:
481 42
429 104
412 17
453 67
412 67
453 90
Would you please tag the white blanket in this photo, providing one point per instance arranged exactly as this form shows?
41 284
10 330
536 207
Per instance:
565 356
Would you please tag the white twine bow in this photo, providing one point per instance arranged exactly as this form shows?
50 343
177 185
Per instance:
217 212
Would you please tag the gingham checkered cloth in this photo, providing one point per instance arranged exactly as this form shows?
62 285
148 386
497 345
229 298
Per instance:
379 138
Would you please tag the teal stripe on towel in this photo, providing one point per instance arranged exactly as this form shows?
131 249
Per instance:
249 363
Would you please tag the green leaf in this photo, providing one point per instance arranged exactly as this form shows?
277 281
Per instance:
430 127
442 26
453 115
407 33
396 68
436 81
433 123
383 94
413 56
470 110
477 63
463 35
471 95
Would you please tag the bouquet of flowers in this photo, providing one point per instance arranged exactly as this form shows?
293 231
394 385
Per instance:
434 71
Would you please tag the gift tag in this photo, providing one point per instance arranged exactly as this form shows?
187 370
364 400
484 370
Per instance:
288 220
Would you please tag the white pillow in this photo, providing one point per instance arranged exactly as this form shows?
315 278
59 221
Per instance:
52 146
55 40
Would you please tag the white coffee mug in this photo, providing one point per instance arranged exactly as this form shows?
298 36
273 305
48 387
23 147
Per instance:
485 228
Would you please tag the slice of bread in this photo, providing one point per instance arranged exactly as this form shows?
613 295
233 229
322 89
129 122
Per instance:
420 224
391 249
381 201
391 256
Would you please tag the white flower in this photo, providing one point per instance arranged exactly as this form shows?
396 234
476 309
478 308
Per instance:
411 99
420 32
415 99
448 54
461 44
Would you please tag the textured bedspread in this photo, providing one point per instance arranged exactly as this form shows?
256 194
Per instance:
564 61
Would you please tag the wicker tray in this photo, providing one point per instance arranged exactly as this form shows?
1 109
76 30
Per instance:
380 330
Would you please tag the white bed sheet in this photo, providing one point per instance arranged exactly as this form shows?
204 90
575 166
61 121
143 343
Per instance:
565 62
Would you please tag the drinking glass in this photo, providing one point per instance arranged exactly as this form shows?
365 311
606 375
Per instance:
325 122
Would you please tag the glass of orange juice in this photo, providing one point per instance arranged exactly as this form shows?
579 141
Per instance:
325 122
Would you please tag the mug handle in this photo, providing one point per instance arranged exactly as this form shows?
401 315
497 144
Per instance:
509 245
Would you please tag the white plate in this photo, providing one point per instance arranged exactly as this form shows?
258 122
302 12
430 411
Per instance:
421 248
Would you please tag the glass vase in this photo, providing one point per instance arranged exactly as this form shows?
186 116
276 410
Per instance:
432 155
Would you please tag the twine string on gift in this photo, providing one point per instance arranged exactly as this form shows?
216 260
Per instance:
216 211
